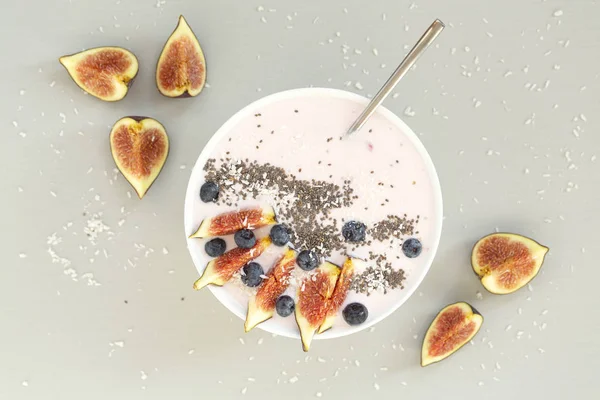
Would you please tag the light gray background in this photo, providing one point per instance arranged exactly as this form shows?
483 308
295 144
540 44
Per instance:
507 104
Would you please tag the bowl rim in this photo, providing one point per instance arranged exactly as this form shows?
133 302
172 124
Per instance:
196 174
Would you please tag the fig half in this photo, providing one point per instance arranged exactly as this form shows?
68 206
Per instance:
104 72
451 329
231 222
261 306
181 67
313 301
339 293
506 262
139 146
220 270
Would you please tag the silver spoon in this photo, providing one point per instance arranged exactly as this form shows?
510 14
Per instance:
428 37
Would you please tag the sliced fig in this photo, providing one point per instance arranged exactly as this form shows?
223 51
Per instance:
220 270
181 67
505 262
231 222
339 293
261 306
313 300
451 329
139 146
104 72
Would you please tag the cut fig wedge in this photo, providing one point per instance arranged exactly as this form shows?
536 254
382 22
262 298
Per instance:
139 146
220 270
181 67
231 222
339 293
261 306
451 329
313 299
104 72
505 262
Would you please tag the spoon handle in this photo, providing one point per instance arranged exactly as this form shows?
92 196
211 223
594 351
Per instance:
428 37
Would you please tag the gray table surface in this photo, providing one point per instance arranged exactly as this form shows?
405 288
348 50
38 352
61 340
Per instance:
507 103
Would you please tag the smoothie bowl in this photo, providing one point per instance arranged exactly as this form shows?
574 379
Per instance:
303 231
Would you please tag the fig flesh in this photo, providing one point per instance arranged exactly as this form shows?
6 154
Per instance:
339 293
220 270
231 222
313 300
261 306
505 262
181 67
104 72
139 146
451 329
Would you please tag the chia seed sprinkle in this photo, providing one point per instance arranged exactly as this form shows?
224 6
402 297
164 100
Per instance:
393 227
380 278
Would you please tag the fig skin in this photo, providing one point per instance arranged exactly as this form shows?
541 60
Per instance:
72 61
221 269
472 315
261 309
316 293
140 184
340 292
182 30
243 219
537 252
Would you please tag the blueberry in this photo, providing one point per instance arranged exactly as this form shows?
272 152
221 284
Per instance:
284 305
280 235
307 260
209 192
354 231
355 313
252 275
244 238
215 247
412 247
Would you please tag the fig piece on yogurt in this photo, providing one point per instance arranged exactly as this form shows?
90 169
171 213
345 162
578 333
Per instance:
220 270
313 297
139 146
181 67
505 262
452 328
339 293
104 72
261 306
231 222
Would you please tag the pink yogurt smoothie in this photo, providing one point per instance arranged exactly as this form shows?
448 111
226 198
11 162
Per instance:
384 165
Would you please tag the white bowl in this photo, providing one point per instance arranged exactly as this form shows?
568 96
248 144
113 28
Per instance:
275 326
